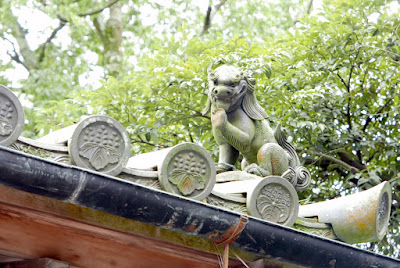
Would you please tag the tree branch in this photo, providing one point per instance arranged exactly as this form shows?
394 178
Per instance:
347 158
191 137
348 115
53 34
307 12
98 10
332 159
207 21
333 116
185 117
365 75
344 83
352 69
197 113
210 16
15 57
350 74
381 49
140 140
323 164
98 29
309 7
29 57
371 157
91 12
369 119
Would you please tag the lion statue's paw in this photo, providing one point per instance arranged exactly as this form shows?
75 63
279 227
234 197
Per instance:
256 170
219 118
224 167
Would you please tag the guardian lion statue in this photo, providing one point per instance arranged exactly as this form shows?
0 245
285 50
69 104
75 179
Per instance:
240 125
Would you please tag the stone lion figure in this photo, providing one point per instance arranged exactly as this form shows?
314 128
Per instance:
240 125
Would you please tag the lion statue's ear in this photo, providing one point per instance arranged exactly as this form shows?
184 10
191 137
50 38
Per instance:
252 108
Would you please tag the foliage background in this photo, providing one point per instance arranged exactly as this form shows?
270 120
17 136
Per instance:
328 71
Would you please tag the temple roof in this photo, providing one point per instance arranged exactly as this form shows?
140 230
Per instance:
86 218
76 197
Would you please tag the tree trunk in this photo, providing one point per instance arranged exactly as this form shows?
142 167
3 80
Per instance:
112 41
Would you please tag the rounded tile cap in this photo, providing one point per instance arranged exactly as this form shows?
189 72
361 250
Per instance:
12 117
100 143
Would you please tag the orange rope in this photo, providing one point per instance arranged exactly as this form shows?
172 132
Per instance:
230 236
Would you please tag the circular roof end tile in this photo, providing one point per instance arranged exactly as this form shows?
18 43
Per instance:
100 143
187 170
11 117
274 199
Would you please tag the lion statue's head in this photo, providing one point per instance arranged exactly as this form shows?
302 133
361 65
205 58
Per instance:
231 88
